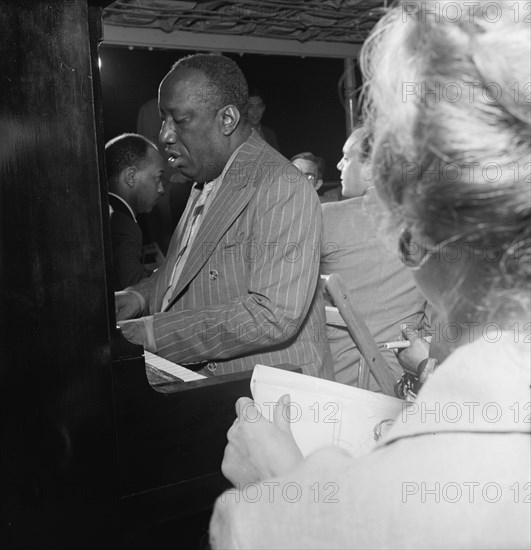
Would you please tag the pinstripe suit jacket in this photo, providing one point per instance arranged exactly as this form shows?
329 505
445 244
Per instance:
248 292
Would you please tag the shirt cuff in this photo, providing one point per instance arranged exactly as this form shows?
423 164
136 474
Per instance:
140 299
150 344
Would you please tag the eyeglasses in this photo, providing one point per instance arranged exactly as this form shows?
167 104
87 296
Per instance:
415 255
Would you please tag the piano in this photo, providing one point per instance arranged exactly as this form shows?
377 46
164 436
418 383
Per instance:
171 435
91 453
162 373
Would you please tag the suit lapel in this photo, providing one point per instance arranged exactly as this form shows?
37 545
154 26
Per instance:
233 195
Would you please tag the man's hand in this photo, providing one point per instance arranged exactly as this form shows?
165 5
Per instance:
134 331
409 358
127 305
258 449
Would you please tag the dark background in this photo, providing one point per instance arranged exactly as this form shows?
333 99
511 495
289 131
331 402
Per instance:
304 105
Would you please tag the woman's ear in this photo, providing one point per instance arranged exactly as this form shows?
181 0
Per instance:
230 118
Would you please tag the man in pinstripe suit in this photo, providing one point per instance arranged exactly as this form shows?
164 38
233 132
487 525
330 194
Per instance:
239 284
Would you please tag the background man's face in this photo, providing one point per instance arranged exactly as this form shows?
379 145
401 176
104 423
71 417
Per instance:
191 130
310 171
255 110
353 177
149 181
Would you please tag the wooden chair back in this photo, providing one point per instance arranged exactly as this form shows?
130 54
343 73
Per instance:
345 310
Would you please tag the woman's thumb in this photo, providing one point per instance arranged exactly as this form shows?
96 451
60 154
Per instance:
281 414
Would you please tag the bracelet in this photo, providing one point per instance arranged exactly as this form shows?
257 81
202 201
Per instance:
140 298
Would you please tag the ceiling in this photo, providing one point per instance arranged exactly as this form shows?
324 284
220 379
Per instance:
294 27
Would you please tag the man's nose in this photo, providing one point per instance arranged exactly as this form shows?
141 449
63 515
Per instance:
340 165
161 188
167 133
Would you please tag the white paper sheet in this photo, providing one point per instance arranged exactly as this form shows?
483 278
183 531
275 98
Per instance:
324 413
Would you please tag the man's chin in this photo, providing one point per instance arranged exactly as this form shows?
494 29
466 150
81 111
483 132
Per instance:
188 174
205 174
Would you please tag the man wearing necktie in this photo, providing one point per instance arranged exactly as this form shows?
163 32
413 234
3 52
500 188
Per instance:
239 284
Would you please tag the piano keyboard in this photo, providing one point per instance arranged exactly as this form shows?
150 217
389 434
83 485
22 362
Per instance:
170 368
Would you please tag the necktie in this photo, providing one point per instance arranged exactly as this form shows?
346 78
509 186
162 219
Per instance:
191 229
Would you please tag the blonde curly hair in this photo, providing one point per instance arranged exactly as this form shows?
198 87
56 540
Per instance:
447 104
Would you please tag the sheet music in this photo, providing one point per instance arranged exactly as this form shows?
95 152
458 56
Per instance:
171 368
325 413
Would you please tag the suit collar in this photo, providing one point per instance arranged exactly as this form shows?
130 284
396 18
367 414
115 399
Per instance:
242 166
474 390
121 205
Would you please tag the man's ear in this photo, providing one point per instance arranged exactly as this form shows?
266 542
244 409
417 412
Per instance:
366 172
230 118
318 184
129 176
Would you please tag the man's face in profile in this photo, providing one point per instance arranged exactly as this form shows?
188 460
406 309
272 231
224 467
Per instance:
191 129
354 180
149 178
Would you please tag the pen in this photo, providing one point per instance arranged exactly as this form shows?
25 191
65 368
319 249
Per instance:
399 344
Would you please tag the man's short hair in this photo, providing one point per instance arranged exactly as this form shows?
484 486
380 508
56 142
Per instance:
227 85
318 161
364 147
123 151
255 92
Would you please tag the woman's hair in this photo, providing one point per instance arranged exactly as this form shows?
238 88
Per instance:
447 105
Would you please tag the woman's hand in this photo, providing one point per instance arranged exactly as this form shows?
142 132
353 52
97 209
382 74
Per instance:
410 358
258 449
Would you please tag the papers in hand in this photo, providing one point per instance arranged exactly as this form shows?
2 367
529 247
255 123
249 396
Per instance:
325 413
